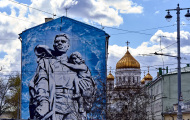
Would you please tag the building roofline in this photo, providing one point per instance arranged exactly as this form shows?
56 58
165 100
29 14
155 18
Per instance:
156 79
76 21
175 73
175 112
183 70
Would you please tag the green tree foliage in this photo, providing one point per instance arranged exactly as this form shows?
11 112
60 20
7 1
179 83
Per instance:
4 88
15 93
10 96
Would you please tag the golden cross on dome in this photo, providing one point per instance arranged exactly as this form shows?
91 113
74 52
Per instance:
110 69
148 69
127 44
144 73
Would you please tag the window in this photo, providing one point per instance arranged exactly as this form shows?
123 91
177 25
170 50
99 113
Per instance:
123 79
129 79
110 86
117 80
133 79
120 80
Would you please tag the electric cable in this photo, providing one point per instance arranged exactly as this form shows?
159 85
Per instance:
167 46
18 18
99 25
127 31
32 7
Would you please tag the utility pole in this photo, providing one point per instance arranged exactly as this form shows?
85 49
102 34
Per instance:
168 17
66 9
18 108
20 96
161 51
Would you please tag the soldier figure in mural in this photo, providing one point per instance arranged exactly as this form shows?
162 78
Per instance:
83 72
62 88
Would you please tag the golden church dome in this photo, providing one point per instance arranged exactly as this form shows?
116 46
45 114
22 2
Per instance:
127 61
143 81
110 76
148 77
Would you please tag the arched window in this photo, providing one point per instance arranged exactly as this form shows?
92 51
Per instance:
110 86
120 80
117 80
123 79
129 79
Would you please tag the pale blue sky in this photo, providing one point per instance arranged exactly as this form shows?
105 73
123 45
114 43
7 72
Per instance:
133 18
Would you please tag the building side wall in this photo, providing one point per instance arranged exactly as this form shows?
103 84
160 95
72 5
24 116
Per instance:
127 76
87 42
155 106
170 90
186 116
164 92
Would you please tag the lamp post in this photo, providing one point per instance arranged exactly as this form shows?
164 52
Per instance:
168 17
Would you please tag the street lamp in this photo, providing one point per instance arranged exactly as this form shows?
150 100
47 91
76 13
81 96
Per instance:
168 16
187 15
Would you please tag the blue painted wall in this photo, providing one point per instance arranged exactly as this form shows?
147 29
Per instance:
88 40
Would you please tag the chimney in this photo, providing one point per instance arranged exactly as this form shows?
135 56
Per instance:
167 70
175 107
48 19
158 74
160 71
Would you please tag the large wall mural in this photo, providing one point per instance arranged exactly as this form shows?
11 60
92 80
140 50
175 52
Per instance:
63 71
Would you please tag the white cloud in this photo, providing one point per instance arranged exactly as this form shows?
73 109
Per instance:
4 3
185 50
92 11
183 23
99 11
22 17
124 6
157 12
9 43
170 38
117 52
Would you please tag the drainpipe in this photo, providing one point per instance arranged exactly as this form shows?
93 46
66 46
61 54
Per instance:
171 116
162 89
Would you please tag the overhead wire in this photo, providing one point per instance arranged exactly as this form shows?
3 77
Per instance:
146 65
32 7
109 27
158 27
126 31
36 23
167 46
104 26
99 25
18 18
129 31
158 51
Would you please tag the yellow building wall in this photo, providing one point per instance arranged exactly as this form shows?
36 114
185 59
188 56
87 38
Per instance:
186 116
